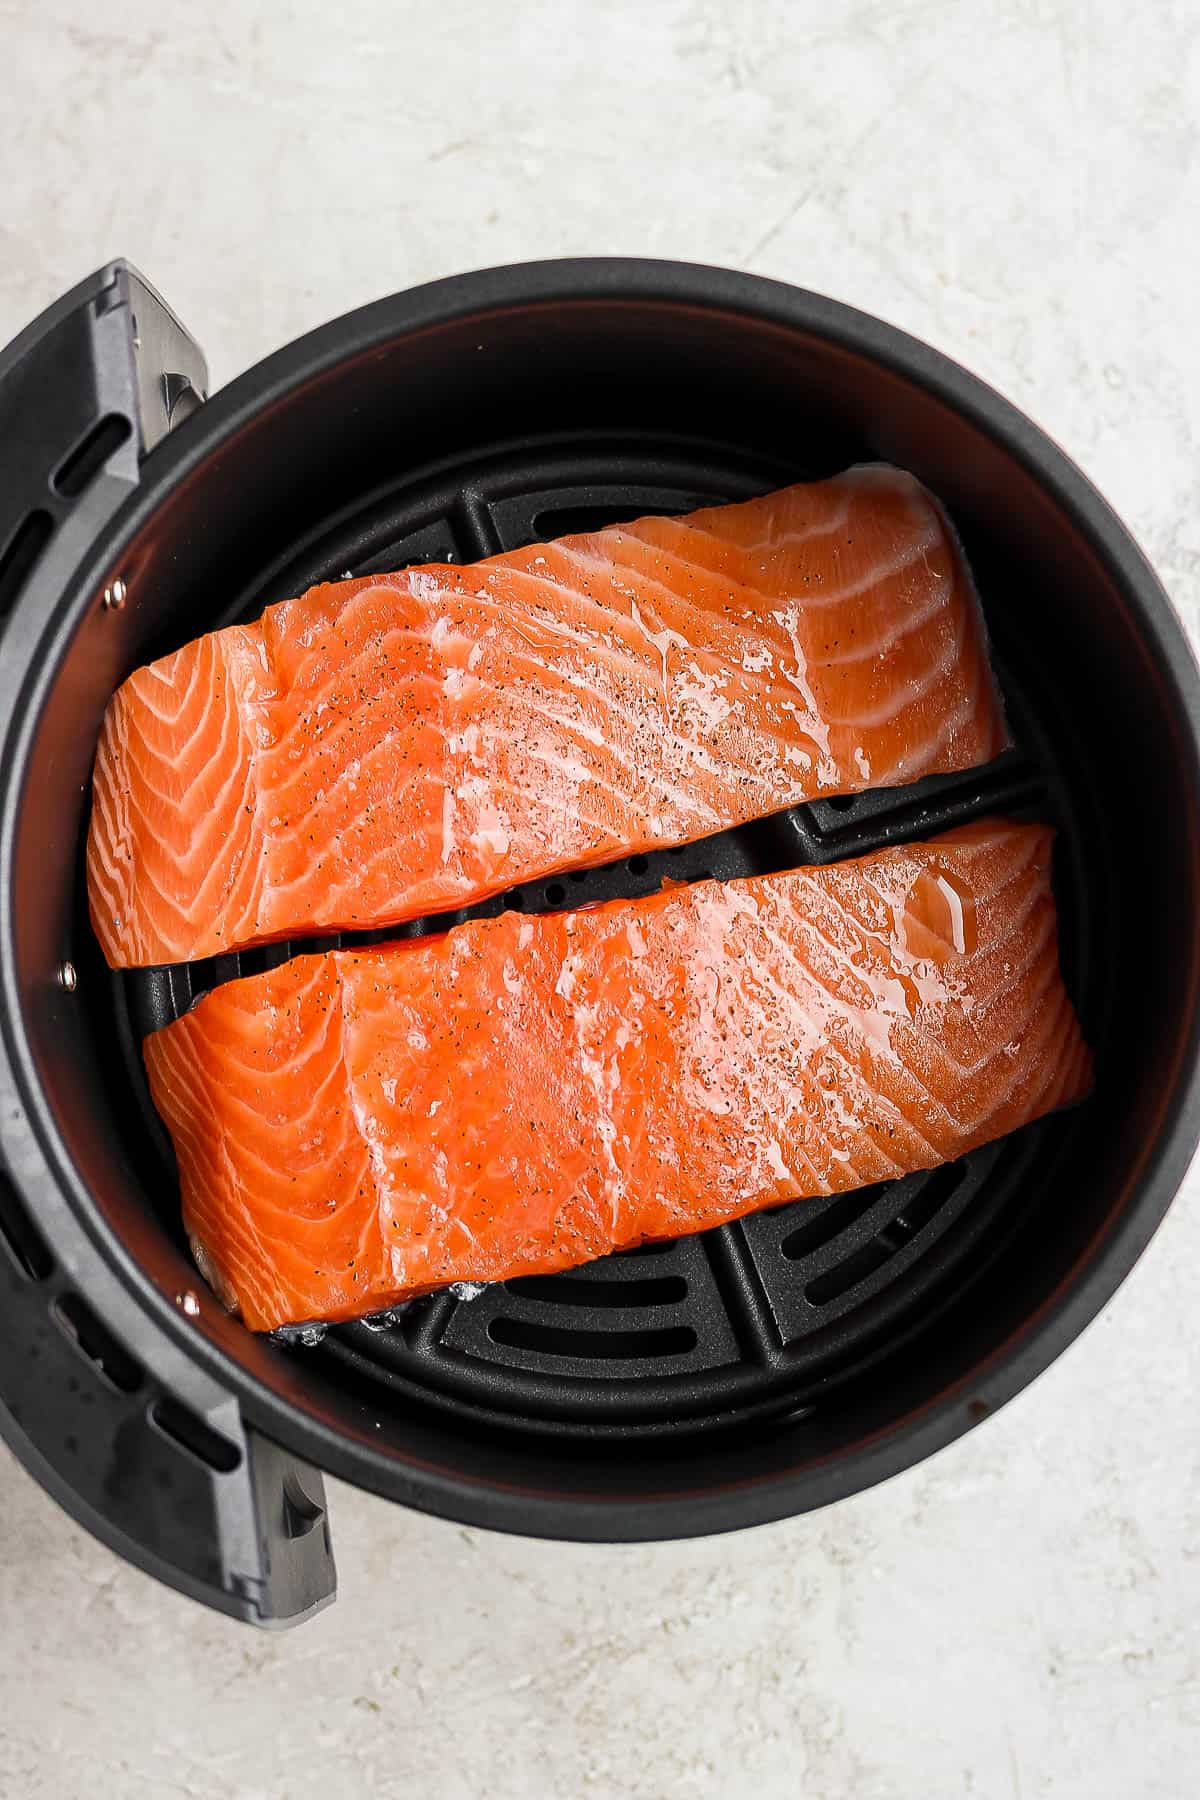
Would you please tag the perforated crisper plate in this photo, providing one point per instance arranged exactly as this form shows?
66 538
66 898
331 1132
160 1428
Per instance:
762 1316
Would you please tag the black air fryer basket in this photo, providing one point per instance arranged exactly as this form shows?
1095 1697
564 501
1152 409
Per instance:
755 1371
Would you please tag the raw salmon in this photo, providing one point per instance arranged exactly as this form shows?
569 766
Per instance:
404 744
522 1094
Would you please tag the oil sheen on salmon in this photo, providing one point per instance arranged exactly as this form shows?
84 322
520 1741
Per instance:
523 1094
404 744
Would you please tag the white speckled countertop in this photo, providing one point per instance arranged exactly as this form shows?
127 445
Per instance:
1017 182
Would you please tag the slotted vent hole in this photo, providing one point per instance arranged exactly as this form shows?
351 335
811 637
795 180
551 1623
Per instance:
833 1219
190 1434
625 1346
856 1267
569 1290
930 1198
572 521
862 1263
94 1340
79 468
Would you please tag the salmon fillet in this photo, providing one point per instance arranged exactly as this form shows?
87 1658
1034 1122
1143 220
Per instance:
405 744
523 1094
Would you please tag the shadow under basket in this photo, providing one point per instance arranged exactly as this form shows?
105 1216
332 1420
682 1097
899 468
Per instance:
753 1371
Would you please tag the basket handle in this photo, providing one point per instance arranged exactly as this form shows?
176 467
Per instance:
100 1403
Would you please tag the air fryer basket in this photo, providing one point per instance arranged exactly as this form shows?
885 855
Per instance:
753 1371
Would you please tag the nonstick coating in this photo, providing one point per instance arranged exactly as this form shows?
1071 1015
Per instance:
772 1364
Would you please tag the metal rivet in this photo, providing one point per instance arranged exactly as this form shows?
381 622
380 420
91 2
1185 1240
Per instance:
67 977
114 596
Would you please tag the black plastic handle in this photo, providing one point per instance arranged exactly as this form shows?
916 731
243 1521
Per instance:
91 385
139 1445
194 1497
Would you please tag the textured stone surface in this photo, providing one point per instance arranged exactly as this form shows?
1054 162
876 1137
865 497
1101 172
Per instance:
1017 182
